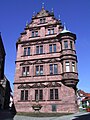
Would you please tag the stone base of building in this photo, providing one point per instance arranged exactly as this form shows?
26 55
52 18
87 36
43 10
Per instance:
48 108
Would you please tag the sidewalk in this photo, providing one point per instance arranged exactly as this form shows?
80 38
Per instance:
77 116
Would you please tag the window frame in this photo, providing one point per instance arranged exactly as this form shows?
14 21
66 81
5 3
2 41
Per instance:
24 95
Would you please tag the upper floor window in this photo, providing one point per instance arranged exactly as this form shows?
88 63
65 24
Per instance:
34 33
67 67
24 94
71 45
39 70
42 20
66 44
53 69
52 48
51 31
39 49
25 71
38 95
54 94
27 51
73 66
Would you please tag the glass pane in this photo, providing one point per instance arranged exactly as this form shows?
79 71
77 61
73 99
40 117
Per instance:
41 70
53 107
37 70
50 48
22 94
56 93
41 95
71 45
32 33
67 67
36 95
55 69
65 44
23 71
27 70
26 94
51 69
41 49
36 33
28 52
73 66
37 49
25 51
52 31
49 31
51 94
54 48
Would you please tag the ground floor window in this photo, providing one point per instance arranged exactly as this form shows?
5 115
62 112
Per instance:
24 95
54 107
53 94
38 95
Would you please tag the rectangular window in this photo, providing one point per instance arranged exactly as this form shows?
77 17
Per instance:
32 33
24 94
49 31
73 66
53 69
54 94
28 51
39 70
50 48
36 33
54 48
38 95
71 46
52 31
25 70
54 107
51 94
67 67
25 53
39 49
66 44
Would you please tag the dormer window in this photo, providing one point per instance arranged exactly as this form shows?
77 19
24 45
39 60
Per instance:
50 31
42 20
34 33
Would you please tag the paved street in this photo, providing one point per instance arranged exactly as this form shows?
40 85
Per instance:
6 115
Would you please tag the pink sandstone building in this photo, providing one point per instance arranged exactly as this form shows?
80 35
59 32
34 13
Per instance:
46 74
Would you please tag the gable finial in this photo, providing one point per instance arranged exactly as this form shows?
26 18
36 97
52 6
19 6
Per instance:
43 5
65 26
59 17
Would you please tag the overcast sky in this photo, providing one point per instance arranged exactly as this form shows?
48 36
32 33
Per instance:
74 13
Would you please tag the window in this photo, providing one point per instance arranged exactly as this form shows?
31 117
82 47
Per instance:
34 33
66 44
67 67
42 20
38 95
53 69
39 70
71 46
50 31
25 71
52 48
73 66
54 107
24 94
53 94
27 51
39 49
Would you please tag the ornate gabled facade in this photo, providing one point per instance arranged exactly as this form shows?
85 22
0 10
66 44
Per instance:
46 66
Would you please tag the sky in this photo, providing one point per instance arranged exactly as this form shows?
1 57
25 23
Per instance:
14 14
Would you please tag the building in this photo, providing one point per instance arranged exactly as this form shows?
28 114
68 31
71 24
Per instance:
5 88
46 67
83 99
